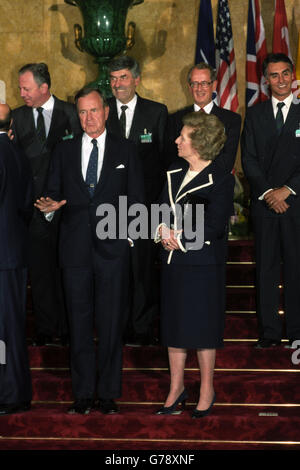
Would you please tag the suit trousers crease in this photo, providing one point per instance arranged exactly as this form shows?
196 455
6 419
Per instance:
277 246
15 380
96 299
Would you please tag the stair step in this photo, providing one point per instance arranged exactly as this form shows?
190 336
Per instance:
138 424
232 386
234 355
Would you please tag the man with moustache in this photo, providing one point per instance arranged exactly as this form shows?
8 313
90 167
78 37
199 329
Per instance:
42 122
144 122
16 205
88 172
270 157
202 83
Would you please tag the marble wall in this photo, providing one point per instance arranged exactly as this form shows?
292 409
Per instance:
42 30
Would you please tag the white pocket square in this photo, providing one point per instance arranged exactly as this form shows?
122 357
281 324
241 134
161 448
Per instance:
120 166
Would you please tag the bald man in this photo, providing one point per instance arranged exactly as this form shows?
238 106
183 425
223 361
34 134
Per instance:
16 204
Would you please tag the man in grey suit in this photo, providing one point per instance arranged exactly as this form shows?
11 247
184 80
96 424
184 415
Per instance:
144 122
271 162
38 126
202 83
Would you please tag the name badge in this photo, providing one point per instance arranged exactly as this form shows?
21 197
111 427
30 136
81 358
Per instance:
146 138
67 136
297 133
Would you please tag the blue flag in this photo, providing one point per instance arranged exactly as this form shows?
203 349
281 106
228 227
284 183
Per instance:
205 46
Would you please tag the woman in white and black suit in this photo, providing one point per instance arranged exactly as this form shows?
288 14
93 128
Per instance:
193 277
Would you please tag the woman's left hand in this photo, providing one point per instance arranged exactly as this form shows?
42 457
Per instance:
168 239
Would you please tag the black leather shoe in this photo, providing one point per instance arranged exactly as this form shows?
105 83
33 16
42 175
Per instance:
201 413
11 408
42 340
82 407
267 343
107 406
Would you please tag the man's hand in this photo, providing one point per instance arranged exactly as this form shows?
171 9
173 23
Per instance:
48 205
276 199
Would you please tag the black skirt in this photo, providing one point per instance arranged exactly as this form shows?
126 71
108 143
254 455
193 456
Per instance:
192 306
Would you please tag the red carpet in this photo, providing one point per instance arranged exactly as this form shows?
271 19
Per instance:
258 395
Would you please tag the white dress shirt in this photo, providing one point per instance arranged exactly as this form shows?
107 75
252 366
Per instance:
129 112
87 147
47 113
206 108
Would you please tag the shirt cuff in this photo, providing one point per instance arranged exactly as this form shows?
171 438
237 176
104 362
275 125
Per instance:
263 195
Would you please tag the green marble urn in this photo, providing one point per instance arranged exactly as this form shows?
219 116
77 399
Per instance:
104 33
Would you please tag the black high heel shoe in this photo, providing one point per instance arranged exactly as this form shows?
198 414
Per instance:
201 413
171 410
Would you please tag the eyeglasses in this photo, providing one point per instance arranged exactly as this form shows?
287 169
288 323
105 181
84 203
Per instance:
202 84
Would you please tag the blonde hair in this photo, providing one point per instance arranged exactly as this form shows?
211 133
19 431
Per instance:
207 135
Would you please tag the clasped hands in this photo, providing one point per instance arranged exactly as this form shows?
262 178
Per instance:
275 199
168 238
48 205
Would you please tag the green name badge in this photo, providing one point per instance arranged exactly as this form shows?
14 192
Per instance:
68 136
146 138
297 133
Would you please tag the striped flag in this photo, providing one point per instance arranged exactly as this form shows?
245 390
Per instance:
256 88
205 45
281 42
225 60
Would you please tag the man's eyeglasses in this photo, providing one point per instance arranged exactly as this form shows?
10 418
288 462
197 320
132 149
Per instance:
202 84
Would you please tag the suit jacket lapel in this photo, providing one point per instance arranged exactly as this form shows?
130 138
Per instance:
114 123
108 165
138 113
175 178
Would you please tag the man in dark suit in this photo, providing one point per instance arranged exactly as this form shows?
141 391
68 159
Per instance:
143 122
16 204
271 162
43 121
87 176
202 83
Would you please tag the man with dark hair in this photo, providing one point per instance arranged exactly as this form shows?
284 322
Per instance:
88 174
202 83
16 205
270 157
37 127
143 122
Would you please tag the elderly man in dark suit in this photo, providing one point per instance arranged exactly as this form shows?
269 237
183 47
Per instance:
143 122
271 162
16 204
88 174
43 121
202 83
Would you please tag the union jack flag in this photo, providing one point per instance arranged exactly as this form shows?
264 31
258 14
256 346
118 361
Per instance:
281 42
256 88
225 60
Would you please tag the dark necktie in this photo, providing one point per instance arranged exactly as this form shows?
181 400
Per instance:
123 120
279 118
40 125
91 172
